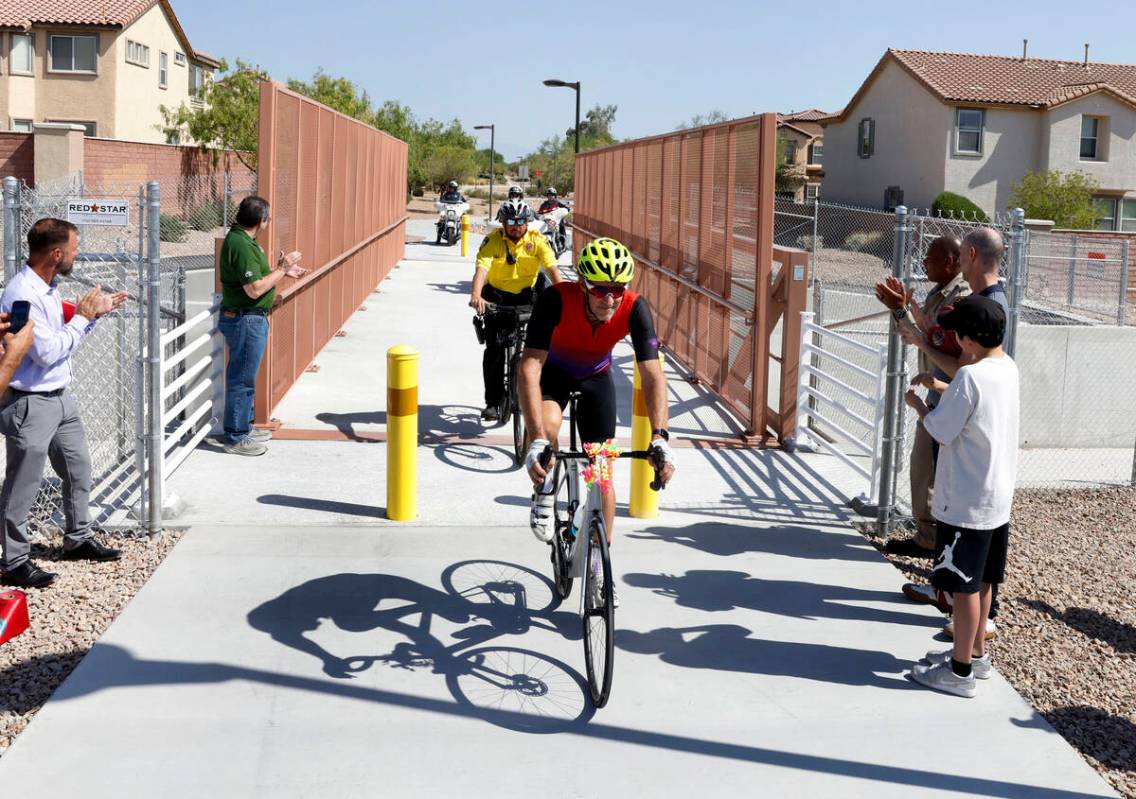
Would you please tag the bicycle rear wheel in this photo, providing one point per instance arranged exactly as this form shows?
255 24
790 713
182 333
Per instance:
599 619
562 537
520 437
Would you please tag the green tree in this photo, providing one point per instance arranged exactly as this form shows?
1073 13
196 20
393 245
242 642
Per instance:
448 162
338 93
229 116
698 120
1064 197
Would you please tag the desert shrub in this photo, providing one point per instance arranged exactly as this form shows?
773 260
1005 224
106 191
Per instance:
863 240
956 206
172 229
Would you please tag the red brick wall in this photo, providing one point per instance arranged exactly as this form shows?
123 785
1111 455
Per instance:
189 176
17 156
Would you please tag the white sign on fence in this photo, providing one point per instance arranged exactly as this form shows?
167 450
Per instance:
114 213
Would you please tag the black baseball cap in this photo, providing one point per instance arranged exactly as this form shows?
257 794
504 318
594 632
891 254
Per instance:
978 318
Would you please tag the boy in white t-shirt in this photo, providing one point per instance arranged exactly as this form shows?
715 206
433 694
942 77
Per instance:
976 425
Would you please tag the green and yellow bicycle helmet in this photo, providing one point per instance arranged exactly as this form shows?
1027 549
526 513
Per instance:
606 261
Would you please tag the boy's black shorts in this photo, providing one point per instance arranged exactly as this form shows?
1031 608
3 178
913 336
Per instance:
968 558
596 406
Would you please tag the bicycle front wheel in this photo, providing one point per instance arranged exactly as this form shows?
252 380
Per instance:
520 437
562 538
599 618
507 406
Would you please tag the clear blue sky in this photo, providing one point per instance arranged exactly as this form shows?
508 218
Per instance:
660 62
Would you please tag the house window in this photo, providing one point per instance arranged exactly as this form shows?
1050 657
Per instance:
196 79
22 54
816 153
893 197
790 151
73 53
866 140
1090 138
968 131
1128 215
22 125
812 191
163 70
179 59
137 53
90 128
1106 212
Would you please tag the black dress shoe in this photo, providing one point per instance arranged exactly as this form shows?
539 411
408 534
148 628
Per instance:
28 575
91 550
907 548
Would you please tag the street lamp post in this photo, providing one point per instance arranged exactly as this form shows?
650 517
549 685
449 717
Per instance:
570 85
492 164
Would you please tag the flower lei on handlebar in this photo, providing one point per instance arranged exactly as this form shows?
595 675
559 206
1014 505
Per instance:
599 469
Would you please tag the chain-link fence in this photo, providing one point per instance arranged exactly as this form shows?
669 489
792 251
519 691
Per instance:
109 371
1072 338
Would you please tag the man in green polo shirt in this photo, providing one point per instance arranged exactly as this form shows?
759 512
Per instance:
248 290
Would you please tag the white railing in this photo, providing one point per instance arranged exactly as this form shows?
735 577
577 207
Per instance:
195 384
824 397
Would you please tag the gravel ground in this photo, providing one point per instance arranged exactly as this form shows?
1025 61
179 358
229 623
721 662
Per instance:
1067 626
66 620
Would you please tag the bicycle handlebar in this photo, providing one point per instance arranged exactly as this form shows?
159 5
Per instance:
640 454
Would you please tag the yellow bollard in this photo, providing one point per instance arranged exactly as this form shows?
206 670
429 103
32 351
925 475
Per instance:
402 433
644 502
465 235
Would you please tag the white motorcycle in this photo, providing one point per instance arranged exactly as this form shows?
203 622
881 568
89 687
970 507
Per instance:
449 221
553 227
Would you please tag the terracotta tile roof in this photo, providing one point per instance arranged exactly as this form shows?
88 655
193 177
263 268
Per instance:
109 13
1005 80
811 115
1001 79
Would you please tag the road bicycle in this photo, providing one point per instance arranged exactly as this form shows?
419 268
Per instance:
572 553
514 345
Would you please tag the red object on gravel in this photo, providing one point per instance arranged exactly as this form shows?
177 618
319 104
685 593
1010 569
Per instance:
13 614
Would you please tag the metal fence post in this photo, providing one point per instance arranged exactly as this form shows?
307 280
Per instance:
11 226
1122 309
894 394
878 416
228 187
1017 249
140 369
816 217
154 356
1072 273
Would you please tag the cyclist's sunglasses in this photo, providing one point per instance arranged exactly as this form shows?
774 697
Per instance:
600 292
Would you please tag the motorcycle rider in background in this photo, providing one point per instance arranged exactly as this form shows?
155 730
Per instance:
451 194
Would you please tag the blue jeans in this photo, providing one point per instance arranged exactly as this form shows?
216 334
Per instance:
246 336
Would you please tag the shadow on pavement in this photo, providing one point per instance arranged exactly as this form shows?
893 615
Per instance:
326 505
1121 636
727 590
728 647
724 539
463 287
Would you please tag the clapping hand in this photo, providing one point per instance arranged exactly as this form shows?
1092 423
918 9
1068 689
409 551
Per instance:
892 293
290 263
95 303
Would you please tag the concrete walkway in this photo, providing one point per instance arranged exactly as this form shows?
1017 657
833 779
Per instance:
295 643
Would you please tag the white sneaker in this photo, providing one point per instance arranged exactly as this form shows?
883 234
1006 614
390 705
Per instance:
981 667
991 629
941 678
541 516
246 446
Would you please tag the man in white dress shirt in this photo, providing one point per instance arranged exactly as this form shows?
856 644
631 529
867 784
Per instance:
39 416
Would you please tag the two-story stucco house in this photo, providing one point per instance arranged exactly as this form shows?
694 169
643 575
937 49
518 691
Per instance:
801 144
105 64
925 122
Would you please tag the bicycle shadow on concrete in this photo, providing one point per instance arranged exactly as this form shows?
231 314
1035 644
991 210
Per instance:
435 422
718 591
730 647
495 599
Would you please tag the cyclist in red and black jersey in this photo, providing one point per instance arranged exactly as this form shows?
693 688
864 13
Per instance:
571 334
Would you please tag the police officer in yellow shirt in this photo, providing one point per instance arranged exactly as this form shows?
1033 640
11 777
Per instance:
508 265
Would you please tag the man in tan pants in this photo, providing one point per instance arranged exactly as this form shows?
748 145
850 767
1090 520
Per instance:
943 267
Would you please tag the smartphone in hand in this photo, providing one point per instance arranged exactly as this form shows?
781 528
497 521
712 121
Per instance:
19 315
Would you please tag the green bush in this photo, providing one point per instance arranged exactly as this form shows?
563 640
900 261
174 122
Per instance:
956 206
207 216
172 229
1064 197
863 240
